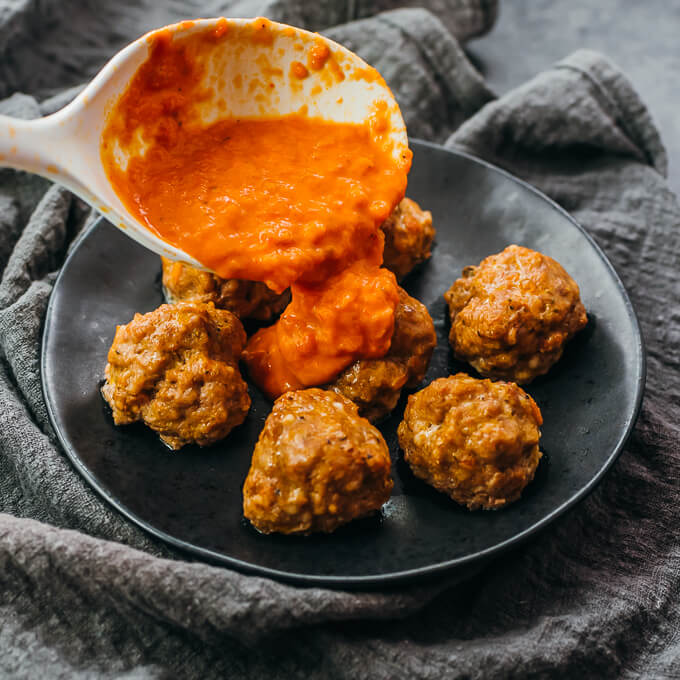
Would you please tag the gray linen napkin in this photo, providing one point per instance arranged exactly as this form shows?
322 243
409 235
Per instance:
85 594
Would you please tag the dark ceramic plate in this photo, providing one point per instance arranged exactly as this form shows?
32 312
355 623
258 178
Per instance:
192 499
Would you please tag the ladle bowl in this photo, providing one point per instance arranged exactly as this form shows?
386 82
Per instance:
254 68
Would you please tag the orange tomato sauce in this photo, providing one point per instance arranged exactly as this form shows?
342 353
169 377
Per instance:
290 200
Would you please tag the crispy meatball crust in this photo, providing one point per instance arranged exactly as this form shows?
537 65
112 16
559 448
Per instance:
176 370
375 385
408 237
316 465
512 315
475 440
246 299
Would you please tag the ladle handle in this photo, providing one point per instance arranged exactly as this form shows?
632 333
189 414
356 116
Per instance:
57 148
41 146
29 145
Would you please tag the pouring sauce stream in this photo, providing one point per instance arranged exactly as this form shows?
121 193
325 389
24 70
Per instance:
289 200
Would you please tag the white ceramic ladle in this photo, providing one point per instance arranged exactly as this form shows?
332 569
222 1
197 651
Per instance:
252 77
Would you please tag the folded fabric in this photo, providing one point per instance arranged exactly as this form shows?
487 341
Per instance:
83 593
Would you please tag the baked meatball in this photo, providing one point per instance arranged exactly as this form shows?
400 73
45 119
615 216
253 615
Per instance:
316 465
512 315
408 237
246 299
176 369
375 385
475 440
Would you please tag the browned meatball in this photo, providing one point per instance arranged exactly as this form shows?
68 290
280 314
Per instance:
512 315
375 385
475 440
316 465
408 236
246 299
176 369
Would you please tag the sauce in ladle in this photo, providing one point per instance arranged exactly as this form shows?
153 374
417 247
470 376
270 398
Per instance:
289 200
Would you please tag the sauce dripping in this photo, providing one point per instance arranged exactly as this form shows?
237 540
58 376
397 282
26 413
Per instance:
288 200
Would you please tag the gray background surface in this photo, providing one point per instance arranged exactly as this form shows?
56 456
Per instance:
642 38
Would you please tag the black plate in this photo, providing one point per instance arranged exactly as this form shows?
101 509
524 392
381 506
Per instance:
192 499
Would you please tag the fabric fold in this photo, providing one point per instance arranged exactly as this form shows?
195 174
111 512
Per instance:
623 104
464 19
435 84
584 106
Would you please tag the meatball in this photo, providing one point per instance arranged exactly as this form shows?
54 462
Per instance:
176 369
246 299
475 440
375 385
316 465
408 237
512 315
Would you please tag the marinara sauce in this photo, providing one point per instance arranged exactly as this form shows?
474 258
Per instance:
288 200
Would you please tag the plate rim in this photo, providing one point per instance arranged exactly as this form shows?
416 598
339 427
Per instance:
365 580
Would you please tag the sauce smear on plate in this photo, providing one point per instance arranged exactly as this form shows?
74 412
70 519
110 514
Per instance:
289 200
